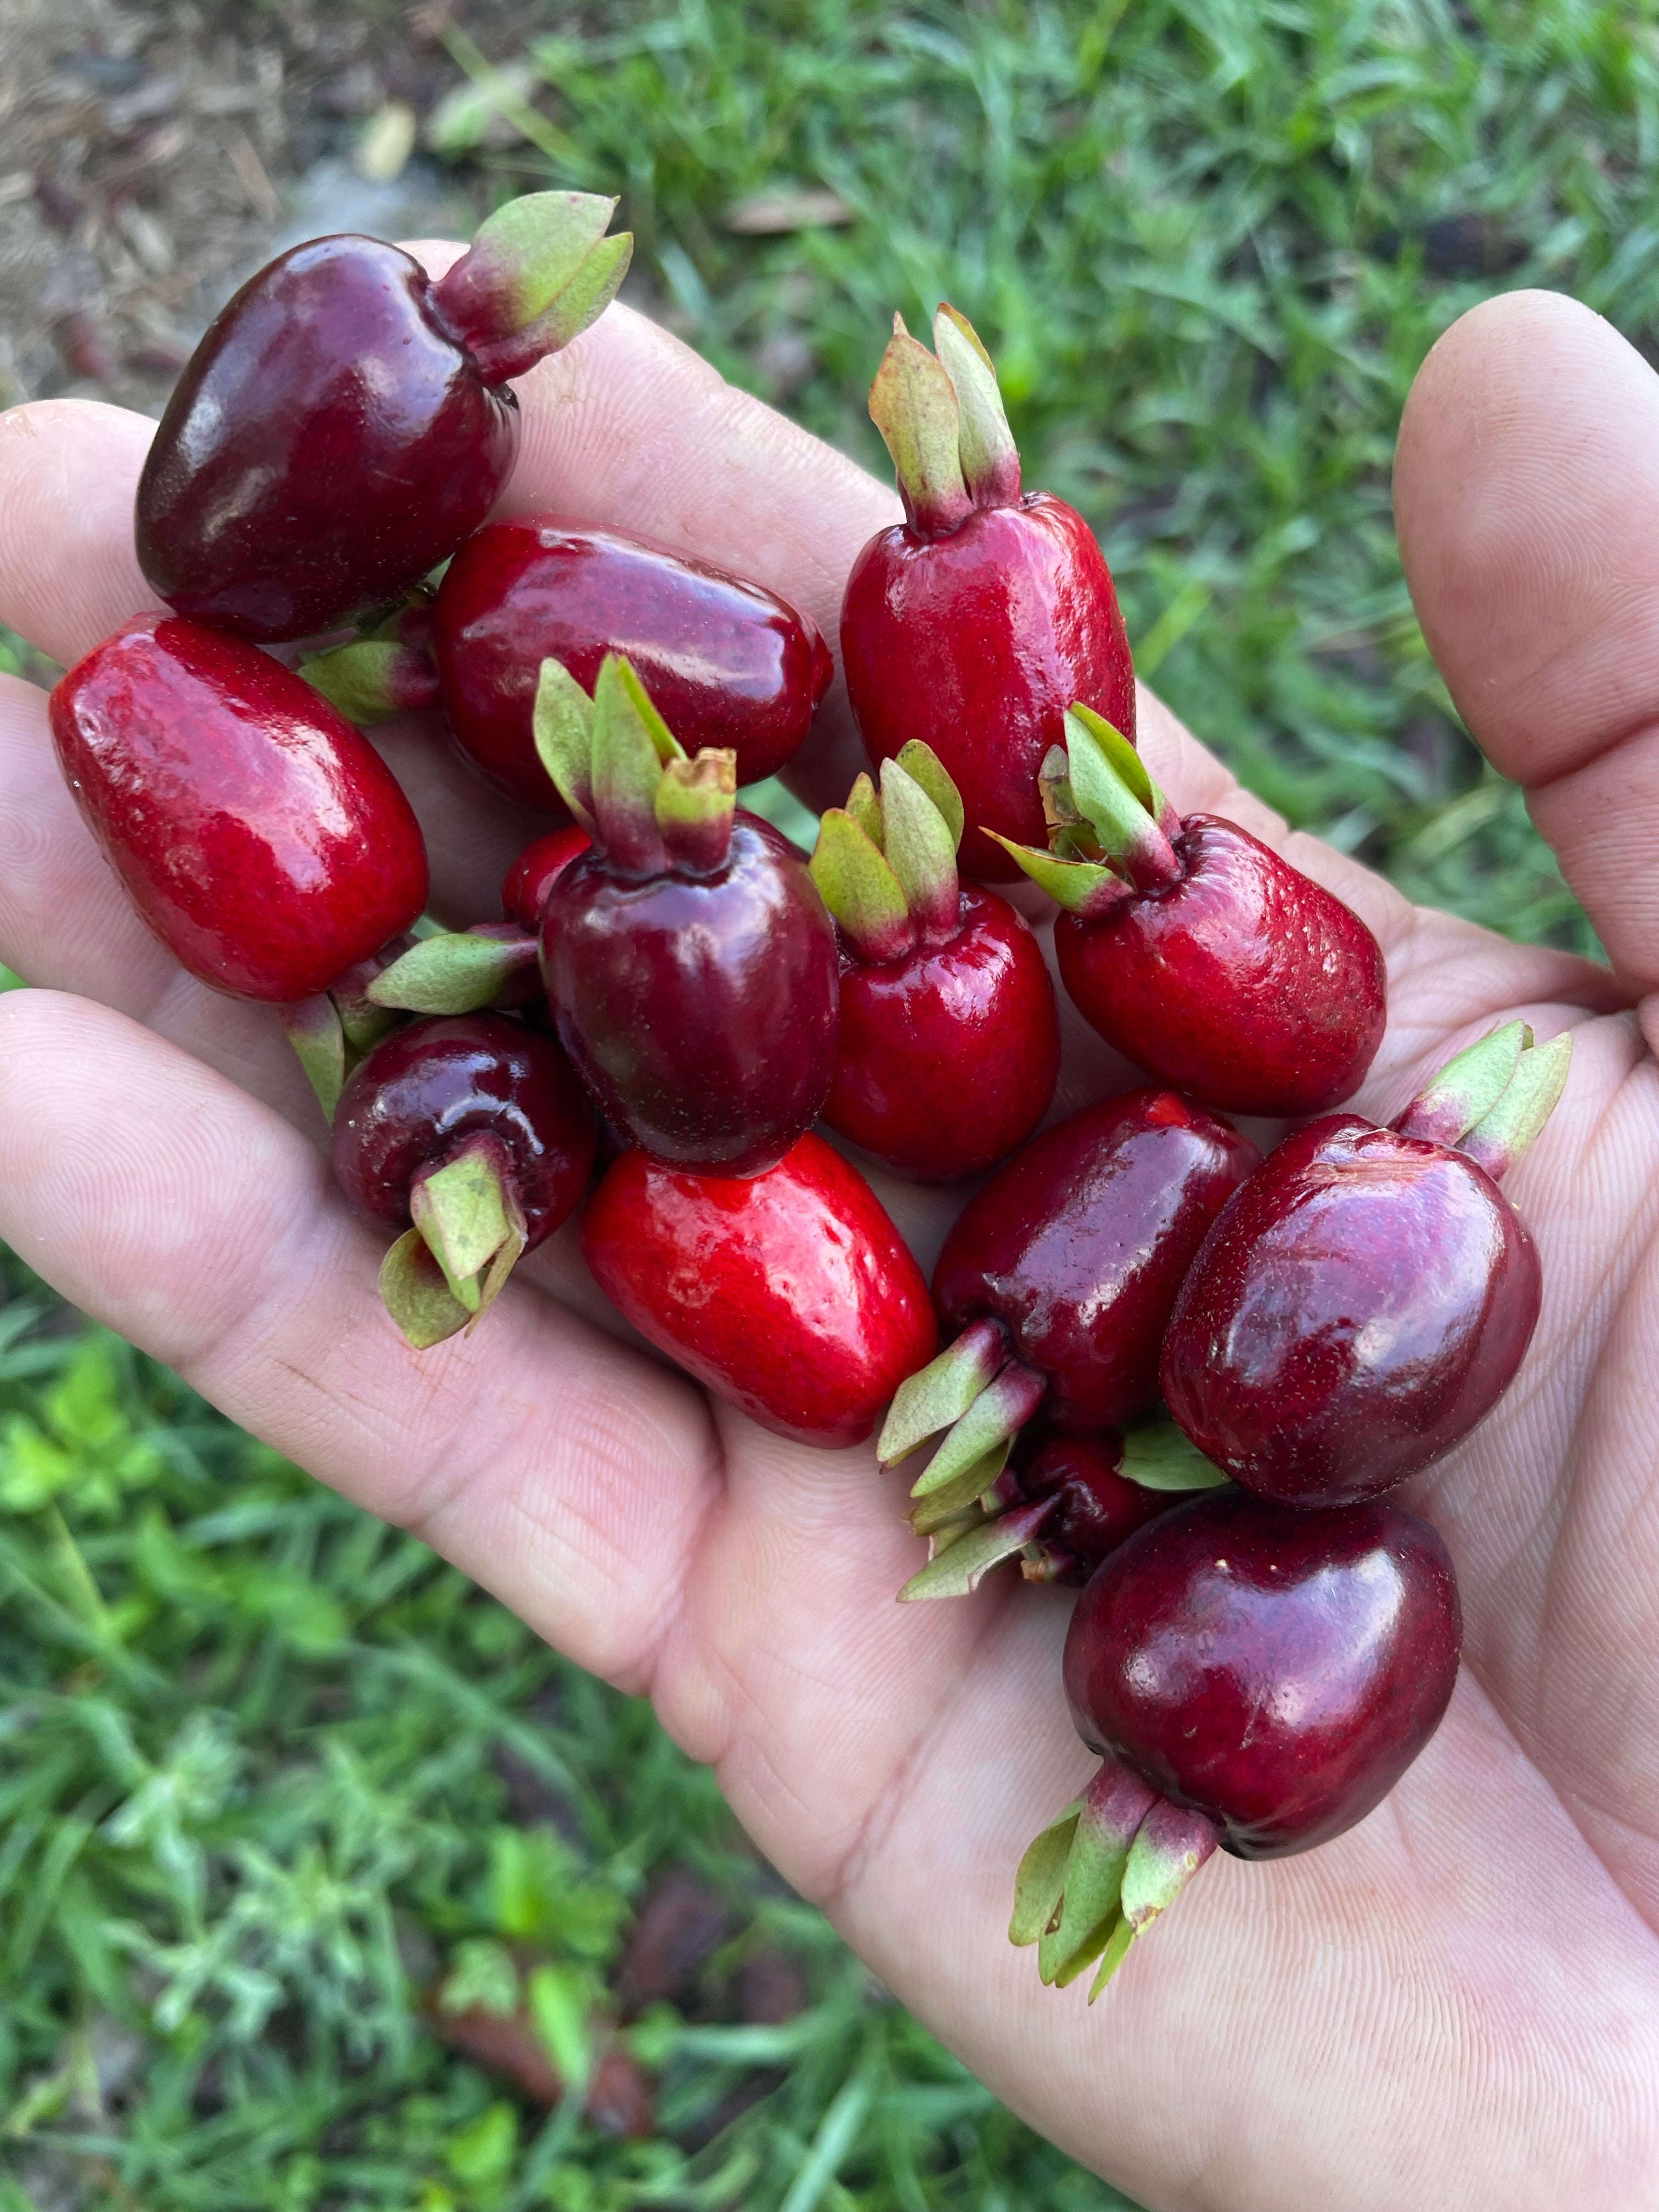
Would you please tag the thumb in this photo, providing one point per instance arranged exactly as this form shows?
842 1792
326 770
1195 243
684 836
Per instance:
1526 497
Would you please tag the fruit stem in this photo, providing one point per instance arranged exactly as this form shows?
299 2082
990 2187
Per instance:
538 273
373 679
695 805
1099 1875
913 403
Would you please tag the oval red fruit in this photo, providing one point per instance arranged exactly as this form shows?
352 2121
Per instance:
978 642
728 663
790 1294
260 834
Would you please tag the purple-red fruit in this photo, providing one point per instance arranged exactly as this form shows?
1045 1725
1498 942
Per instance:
949 1039
1276 1671
1252 1677
689 960
1365 1299
258 834
728 663
1078 1248
474 1128
533 874
789 1294
346 423
1095 1506
974 624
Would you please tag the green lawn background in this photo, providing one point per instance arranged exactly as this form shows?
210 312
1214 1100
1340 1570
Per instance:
267 1770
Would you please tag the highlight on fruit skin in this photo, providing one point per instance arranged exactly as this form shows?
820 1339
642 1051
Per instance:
1370 1294
346 420
1254 1679
972 625
1191 947
1059 1277
948 1045
688 962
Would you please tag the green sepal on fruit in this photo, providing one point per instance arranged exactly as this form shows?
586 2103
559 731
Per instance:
331 1031
1099 1874
1109 825
942 418
538 273
459 972
373 679
885 864
469 1233
626 778
1491 1102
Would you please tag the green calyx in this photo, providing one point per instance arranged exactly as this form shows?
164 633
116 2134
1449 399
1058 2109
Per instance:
330 1032
886 867
1100 1875
469 1223
1109 825
538 273
966 1555
457 972
625 777
1492 1100
980 1396
942 418
1160 1456
373 679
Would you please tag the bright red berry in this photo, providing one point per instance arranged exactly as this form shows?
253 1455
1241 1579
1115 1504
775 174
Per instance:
789 1294
974 624
259 833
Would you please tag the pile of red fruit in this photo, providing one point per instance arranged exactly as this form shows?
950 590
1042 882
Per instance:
1264 1641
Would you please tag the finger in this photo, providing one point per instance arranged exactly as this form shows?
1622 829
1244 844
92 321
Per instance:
69 574
1526 488
565 1473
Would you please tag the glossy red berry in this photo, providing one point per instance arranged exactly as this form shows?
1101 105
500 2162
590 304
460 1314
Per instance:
1361 1301
260 836
728 663
1278 1671
1059 1278
1095 1505
689 960
974 624
949 1041
537 868
345 422
1244 983
789 1294
474 1128
1252 1677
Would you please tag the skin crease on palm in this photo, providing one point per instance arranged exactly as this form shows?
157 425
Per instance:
1455 2006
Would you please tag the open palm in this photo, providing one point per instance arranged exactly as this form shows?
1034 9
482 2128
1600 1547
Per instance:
1457 2004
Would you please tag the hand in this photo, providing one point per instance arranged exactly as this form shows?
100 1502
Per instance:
1455 2006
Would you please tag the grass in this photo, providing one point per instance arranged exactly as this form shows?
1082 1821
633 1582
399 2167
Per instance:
272 1775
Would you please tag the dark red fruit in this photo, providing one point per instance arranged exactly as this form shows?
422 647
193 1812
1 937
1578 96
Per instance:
1060 1275
259 833
345 421
475 1127
537 868
788 1294
1095 1506
975 624
1253 1677
690 963
728 664
949 1036
1367 1296
1196 951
